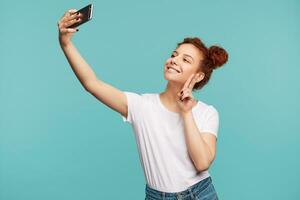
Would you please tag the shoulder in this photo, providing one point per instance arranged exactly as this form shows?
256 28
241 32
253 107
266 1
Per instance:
207 109
141 96
212 109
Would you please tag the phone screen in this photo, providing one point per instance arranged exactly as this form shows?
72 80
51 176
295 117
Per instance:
86 12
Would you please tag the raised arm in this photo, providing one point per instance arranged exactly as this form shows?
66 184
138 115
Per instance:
107 94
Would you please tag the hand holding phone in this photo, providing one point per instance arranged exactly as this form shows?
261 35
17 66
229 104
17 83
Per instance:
86 14
72 19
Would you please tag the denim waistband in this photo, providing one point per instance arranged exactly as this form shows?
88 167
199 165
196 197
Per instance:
190 191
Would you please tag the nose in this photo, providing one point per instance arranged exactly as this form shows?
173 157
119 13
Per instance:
173 61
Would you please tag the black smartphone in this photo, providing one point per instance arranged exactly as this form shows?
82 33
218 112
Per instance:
87 13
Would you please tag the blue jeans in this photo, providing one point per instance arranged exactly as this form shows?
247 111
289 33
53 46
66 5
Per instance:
203 190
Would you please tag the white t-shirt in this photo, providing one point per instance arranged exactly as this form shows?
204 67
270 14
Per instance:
159 135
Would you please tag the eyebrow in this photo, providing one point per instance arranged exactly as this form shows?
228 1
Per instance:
185 55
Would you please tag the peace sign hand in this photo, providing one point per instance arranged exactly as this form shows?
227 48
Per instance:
185 98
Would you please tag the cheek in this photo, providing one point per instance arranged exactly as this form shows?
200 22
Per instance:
187 72
167 62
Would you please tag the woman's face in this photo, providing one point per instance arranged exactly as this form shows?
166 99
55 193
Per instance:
184 61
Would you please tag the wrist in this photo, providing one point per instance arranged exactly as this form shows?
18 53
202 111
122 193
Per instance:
64 44
186 113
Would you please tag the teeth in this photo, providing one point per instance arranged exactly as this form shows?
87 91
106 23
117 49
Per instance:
173 70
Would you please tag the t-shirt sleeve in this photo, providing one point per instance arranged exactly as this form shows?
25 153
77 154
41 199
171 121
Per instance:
211 124
134 103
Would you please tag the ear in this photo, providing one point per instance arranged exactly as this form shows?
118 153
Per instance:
201 77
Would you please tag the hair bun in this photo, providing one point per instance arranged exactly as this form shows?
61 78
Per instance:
218 56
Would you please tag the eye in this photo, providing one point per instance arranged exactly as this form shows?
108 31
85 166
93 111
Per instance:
186 60
172 56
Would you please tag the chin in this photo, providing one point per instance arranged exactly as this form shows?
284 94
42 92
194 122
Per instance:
172 78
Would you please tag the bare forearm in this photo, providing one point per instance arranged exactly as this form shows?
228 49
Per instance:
80 67
197 147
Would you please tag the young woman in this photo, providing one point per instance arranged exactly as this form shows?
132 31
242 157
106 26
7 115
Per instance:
175 133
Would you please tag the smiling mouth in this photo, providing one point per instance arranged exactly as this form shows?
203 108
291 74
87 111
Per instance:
168 68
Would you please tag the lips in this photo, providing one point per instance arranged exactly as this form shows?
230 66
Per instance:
168 67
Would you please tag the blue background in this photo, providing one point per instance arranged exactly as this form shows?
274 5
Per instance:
59 142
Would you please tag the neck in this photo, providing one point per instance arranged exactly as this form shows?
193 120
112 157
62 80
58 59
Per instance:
170 93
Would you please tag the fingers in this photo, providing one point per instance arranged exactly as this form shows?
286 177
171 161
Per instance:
71 22
72 10
186 85
69 15
186 91
68 30
185 94
194 81
73 16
